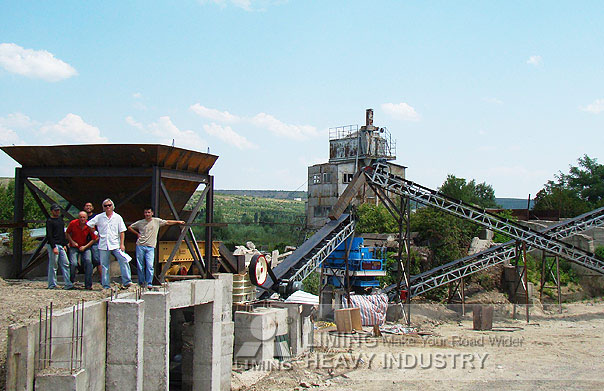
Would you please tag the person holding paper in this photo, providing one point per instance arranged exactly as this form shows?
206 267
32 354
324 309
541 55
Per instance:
146 230
111 229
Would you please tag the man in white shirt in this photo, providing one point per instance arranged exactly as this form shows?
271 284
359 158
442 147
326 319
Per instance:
111 229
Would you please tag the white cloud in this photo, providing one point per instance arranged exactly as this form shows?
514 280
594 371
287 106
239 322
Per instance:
137 95
17 120
401 111
229 136
295 132
9 137
165 130
261 120
213 114
38 64
595 108
70 129
535 61
132 122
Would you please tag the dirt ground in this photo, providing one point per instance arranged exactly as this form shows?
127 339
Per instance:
21 303
552 351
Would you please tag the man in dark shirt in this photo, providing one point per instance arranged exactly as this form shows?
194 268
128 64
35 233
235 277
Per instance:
57 253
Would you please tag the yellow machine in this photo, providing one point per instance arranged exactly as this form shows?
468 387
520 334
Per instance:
181 264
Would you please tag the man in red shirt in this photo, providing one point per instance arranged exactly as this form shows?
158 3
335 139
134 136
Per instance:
81 238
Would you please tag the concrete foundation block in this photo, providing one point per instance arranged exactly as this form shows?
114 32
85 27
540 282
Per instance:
202 291
66 381
254 351
207 351
179 294
156 345
225 372
227 338
227 295
125 336
20 358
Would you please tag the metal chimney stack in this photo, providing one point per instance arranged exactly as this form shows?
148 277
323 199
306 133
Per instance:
369 117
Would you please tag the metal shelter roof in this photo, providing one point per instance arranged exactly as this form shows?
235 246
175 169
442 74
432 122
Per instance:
93 172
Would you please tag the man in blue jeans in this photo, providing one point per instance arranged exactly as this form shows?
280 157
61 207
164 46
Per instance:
146 230
111 228
57 254
81 238
96 257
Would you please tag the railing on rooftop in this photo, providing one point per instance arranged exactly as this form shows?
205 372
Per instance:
343 131
386 149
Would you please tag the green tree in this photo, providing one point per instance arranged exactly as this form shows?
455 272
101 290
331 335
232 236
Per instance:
448 236
579 191
375 218
7 203
481 194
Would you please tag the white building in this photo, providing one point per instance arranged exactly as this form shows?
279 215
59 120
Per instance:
350 148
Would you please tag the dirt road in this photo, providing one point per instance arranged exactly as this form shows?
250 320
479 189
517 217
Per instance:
553 351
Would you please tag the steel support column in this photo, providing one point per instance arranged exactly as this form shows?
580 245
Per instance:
155 189
209 220
18 218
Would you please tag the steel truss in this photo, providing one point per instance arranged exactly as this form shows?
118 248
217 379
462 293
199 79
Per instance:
322 253
379 174
471 264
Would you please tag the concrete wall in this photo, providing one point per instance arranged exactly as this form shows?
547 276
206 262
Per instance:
136 350
23 347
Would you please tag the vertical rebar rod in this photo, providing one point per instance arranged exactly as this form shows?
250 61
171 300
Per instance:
50 337
77 336
39 366
73 327
45 336
82 337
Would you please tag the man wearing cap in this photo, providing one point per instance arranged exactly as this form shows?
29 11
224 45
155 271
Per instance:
146 230
57 255
80 238
111 228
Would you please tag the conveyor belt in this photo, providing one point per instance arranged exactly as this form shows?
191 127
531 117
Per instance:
471 264
310 255
379 175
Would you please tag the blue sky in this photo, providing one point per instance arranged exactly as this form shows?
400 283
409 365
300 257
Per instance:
503 92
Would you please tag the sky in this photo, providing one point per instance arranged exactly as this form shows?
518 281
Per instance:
507 93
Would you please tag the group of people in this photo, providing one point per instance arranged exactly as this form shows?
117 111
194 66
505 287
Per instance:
90 239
